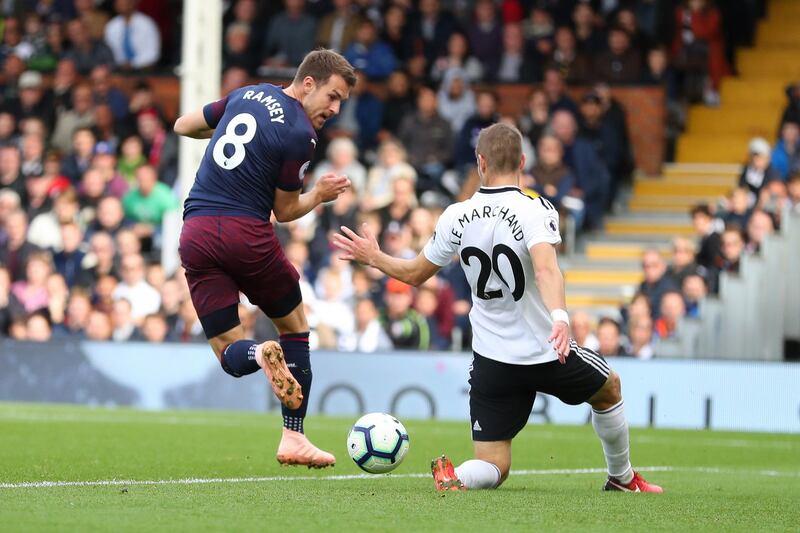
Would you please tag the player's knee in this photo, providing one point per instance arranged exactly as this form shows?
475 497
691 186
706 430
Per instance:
504 468
613 389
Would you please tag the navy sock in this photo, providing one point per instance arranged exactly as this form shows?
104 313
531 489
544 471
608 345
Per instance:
298 359
239 358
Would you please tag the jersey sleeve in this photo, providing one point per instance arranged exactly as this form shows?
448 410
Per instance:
298 149
213 112
543 225
442 245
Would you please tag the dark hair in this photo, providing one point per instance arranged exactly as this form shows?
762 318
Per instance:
606 320
701 209
322 64
501 147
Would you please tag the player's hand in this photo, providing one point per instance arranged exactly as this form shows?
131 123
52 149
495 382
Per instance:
560 339
330 186
362 248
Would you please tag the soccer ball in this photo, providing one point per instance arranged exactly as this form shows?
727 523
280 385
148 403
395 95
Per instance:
377 443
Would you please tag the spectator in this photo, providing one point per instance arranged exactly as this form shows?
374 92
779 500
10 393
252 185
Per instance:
573 65
403 203
694 289
128 243
534 120
335 316
341 212
155 329
737 207
425 304
588 38
160 145
621 63
33 100
405 327
85 52
391 165
793 190
732 244
8 129
68 261
791 112
485 115
80 157
338 29
64 82
368 336
370 55
609 338
11 170
639 308
37 191
57 298
704 228
457 57
80 116
399 103
786 155
485 34
44 230
759 226
698 44
456 100
17 249
609 139
342 159
556 91
683 260
131 158
94 20
640 333
92 190
31 292
233 78
106 165
396 34
552 178
105 92
104 293
144 298
433 26
122 322
133 37
38 328
171 297
428 137
98 326
99 261
237 49
591 177
148 202
290 35
582 326
515 66
657 281
626 19
673 309
538 29
189 328
758 170
32 156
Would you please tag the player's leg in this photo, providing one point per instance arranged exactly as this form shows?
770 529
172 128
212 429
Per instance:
587 377
500 404
215 296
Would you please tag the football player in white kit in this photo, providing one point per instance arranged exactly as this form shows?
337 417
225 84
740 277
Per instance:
521 340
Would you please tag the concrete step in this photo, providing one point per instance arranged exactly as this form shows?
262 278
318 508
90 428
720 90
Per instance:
720 170
775 63
667 204
753 121
713 148
602 277
746 92
667 188
636 229
623 252
595 304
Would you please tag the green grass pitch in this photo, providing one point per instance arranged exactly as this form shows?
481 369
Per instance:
714 481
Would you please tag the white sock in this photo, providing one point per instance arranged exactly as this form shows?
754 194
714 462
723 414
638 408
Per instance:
612 428
477 474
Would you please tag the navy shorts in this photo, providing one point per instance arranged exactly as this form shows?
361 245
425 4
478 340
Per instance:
225 255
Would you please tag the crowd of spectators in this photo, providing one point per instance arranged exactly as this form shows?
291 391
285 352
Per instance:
87 170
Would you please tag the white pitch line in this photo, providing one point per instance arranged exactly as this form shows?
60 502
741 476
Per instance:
264 479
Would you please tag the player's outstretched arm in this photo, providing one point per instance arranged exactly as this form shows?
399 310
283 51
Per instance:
364 249
193 125
550 283
291 205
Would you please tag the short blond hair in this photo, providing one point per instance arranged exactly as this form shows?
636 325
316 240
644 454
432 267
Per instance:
501 146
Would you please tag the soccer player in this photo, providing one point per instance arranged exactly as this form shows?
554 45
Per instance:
521 339
262 141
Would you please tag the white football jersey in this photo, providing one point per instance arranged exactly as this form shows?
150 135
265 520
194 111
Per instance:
492 234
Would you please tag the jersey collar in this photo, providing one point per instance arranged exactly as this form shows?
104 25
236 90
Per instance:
496 190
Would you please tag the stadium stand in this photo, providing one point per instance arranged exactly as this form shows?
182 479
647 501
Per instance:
634 122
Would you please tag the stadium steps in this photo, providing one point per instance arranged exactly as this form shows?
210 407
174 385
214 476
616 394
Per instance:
751 103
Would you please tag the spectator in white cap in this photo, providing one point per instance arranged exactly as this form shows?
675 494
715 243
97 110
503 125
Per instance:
32 100
758 170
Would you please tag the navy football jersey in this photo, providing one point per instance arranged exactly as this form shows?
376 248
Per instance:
263 140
